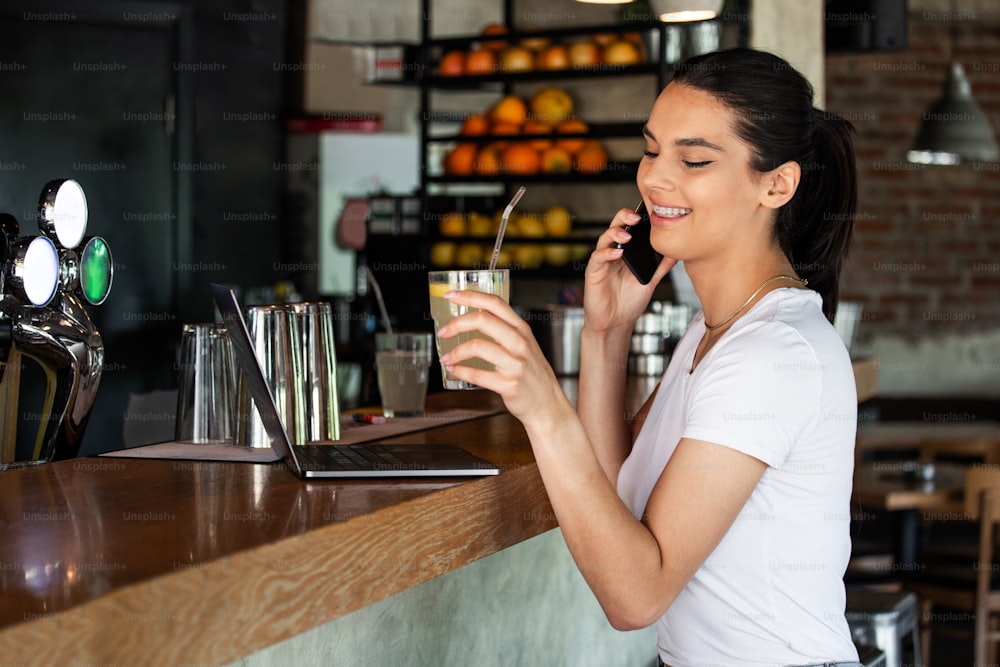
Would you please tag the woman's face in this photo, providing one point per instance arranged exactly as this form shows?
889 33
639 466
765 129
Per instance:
695 177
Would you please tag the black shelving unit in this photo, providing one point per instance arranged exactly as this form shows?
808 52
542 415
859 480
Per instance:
440 192
505 83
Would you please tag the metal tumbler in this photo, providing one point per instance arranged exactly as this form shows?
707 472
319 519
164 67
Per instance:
318 410
274 331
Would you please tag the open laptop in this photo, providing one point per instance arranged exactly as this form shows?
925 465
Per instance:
337 461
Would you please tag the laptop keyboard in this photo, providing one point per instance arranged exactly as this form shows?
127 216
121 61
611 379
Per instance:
349 457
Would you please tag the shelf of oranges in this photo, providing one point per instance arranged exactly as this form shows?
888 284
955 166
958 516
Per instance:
466 81
612 172
534 238
500 54
537 139
594 130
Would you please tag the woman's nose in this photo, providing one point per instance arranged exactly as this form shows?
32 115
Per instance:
656 175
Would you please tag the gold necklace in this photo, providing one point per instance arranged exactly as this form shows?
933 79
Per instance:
713 327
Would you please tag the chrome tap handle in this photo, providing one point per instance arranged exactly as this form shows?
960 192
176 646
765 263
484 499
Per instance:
43 283
63 340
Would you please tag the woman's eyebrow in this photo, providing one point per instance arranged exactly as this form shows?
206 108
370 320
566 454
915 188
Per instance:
699 142
695 141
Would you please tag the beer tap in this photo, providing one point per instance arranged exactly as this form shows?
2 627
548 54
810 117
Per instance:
45 281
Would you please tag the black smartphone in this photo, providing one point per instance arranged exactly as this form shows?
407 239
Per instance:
639 255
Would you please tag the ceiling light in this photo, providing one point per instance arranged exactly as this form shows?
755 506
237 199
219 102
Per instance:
677 11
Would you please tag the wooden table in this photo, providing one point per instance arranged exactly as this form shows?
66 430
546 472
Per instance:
972 439
887 485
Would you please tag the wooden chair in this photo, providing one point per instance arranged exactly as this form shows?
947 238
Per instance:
967 586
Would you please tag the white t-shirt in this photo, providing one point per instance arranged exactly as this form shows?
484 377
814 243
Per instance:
778 386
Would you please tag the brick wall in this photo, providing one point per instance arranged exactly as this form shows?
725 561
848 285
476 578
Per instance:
925 261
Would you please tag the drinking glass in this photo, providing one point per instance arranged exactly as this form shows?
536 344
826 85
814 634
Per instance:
443 311
206 385
403 362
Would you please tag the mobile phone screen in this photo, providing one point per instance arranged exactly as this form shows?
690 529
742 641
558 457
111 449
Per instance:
639 255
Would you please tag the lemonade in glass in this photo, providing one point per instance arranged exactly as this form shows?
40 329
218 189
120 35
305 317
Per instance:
443 311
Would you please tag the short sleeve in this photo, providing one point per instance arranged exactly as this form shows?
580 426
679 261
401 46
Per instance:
758 393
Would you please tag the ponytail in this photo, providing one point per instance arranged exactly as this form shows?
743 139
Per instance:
814 229
775 117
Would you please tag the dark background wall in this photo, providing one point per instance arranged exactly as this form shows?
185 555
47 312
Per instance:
170 116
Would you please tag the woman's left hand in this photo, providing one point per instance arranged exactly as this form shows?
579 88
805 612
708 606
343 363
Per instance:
523 378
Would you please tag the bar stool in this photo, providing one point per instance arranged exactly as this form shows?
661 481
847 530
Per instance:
884 619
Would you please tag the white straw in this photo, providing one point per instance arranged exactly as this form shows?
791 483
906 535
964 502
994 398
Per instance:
381 304
503 226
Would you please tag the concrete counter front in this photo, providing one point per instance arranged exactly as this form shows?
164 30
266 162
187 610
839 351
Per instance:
136 562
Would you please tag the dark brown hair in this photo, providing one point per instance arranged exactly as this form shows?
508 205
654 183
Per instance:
775 116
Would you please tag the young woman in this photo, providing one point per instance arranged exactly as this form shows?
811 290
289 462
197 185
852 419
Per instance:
721 513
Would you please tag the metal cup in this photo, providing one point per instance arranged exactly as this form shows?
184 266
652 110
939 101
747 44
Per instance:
277 342
206 386
318 410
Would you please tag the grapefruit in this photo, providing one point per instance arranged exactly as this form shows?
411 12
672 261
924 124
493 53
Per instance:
551 105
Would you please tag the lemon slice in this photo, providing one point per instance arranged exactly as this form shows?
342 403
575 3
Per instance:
439 289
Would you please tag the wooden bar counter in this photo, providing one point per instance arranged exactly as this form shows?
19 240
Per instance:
199 562
134 561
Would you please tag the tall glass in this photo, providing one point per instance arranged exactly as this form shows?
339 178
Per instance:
206 398
443 311
403 362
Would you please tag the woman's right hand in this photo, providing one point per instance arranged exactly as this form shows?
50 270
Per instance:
612 297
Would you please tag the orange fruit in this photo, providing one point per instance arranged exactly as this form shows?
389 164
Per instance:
510 109
475 124
533 126
622 52
459 160
604 38
535 43
517 59
504 129
520 158
487 161
558 221
554 57
491 29
571 126
551 105
452 224
556 160
592 158
452 64
480 61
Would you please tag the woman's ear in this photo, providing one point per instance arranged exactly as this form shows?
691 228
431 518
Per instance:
780 184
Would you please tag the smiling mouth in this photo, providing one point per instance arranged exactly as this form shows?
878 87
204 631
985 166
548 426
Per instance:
670 212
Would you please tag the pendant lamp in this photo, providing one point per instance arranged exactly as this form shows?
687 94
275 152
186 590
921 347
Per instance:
955 128
677 11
